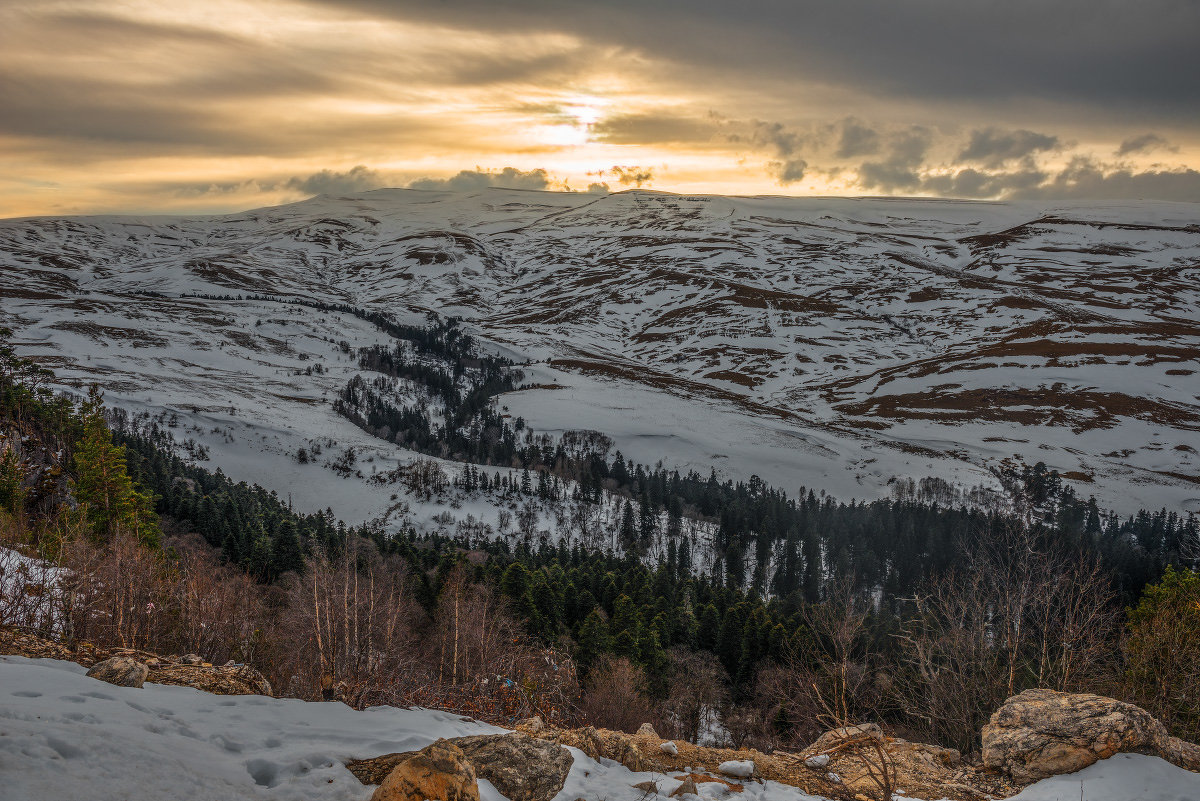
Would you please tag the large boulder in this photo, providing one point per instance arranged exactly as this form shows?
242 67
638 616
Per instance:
123 671
522 768
439 772
1042 733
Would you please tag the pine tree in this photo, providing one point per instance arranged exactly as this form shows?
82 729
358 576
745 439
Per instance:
593 640
103 488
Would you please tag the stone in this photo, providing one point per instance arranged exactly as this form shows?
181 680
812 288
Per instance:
521 767
668 747
687 788
439 772
123 671
834 736
1042 733
1184 754
649 788
534 724
191 659
816 762
646 730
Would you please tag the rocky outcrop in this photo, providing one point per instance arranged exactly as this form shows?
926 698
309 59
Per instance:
606 744
122 671
439 772
646 730
1042 733
847 757
186 671
522 768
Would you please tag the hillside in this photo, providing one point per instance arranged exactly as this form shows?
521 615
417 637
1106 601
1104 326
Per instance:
829 343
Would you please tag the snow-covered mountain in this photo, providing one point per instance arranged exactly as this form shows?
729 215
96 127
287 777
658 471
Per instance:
830 343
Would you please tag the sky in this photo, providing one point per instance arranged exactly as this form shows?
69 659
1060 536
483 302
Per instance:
167 106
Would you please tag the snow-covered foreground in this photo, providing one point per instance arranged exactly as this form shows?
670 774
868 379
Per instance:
64 735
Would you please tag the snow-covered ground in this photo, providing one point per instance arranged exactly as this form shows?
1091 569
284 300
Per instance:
827 342
63 735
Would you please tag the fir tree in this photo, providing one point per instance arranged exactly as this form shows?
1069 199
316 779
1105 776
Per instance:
105 492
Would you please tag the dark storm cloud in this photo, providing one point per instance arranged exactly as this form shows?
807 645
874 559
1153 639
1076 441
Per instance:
1107 55
474 180
1143 144
992 146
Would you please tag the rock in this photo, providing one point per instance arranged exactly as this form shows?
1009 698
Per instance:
191 659
521 767
1042 733
646 730
239 680
649 788
738 768
687 788
834 778
1184 754
534 724
818 761
620 746
669 747
122 671
439 772
614 745
590 743
834 736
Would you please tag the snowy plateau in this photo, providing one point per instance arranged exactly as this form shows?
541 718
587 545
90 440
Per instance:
835 344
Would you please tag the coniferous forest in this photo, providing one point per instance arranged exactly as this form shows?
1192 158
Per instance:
786 606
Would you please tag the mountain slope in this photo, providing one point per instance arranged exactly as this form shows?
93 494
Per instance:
831 343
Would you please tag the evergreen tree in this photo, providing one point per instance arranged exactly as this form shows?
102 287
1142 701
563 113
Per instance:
593 640
105 492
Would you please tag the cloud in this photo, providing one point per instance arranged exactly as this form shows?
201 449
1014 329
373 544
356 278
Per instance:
974 183
1118 56
856 139
477 179
1143 144
1086 179
785 144
653 128
901 169
992 146
327 182
598 189
632 176
788 172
